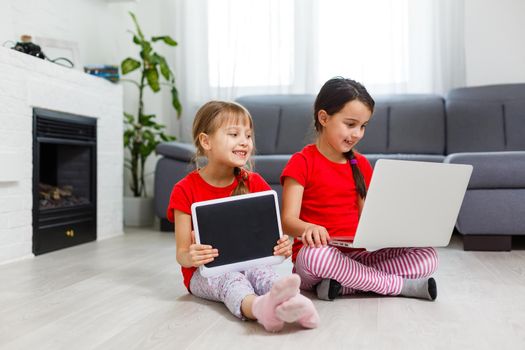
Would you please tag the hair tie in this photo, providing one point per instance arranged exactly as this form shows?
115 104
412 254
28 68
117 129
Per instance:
353 161
241 175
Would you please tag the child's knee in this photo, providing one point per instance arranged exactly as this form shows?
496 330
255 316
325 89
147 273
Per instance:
430 259
314 260
433 259
233 279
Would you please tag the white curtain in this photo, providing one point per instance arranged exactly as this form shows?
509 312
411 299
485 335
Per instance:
231 48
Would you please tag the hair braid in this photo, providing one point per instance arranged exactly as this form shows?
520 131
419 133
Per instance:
242 176
356 173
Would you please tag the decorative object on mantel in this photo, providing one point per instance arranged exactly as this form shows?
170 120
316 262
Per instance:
26 45
142 133
108 72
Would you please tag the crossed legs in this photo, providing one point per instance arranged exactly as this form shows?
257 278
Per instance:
382 272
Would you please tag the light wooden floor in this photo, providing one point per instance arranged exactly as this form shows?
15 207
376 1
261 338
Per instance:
127 293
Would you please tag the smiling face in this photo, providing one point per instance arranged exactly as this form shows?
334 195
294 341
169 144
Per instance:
231 144
223 133
342 130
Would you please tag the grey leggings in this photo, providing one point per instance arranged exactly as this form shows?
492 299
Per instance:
232 287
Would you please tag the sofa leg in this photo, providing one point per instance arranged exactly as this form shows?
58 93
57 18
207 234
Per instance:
487 242
166 226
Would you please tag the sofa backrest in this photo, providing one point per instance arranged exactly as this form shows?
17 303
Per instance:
413 124
283 123
486 118
401 124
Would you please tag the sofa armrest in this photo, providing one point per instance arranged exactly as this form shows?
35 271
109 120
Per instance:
493 169
177 150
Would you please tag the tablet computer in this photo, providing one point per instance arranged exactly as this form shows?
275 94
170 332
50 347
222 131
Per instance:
243 228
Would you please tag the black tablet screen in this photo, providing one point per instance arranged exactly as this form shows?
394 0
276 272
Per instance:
241 230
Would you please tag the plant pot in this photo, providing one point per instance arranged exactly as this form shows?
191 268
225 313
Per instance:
138 211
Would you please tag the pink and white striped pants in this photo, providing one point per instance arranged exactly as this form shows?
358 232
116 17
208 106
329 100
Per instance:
381 271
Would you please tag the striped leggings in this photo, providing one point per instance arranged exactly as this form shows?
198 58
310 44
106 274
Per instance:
380 271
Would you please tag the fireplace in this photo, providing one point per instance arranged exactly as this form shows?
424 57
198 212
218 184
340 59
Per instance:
64 180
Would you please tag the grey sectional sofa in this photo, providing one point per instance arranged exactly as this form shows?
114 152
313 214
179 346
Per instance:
482 126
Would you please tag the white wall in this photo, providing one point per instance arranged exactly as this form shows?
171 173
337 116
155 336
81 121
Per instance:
100 29
494 41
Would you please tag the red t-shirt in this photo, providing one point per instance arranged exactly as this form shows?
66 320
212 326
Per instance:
330 195
193 189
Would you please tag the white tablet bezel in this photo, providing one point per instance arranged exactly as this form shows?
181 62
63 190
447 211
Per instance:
243 265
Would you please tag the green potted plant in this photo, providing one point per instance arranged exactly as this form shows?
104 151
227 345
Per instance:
142 133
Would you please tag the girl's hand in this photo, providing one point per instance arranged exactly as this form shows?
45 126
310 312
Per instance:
283 247
201 254
315 236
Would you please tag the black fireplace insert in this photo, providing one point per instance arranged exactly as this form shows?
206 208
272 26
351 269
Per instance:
64 180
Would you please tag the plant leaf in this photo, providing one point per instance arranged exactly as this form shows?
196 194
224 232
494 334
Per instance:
147 120
149 145
155 58
136 25
167 138
145 54
129 65
128 136
166 38
153 78
175 101
136 40
129 118
164 69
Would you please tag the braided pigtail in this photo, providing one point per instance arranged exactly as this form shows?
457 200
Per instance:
356 173
242 176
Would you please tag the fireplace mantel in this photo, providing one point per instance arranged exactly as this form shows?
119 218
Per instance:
28 82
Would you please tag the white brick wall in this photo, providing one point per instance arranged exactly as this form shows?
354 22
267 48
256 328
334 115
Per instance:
29 82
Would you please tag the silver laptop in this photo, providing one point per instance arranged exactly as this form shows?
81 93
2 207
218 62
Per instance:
410 204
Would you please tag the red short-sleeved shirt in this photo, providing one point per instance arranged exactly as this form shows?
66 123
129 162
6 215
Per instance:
330 195
193 189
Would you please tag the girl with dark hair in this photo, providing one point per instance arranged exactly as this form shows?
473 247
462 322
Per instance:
223 133
324 188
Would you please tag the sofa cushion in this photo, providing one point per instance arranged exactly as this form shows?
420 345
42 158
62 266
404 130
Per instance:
283 123
515 124
493 169
374 157
486 119
406 124
270 166
266 122
475 127
492 212
176 150
296 126
376 133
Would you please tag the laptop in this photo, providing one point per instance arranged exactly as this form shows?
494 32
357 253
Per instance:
410 204
243 228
